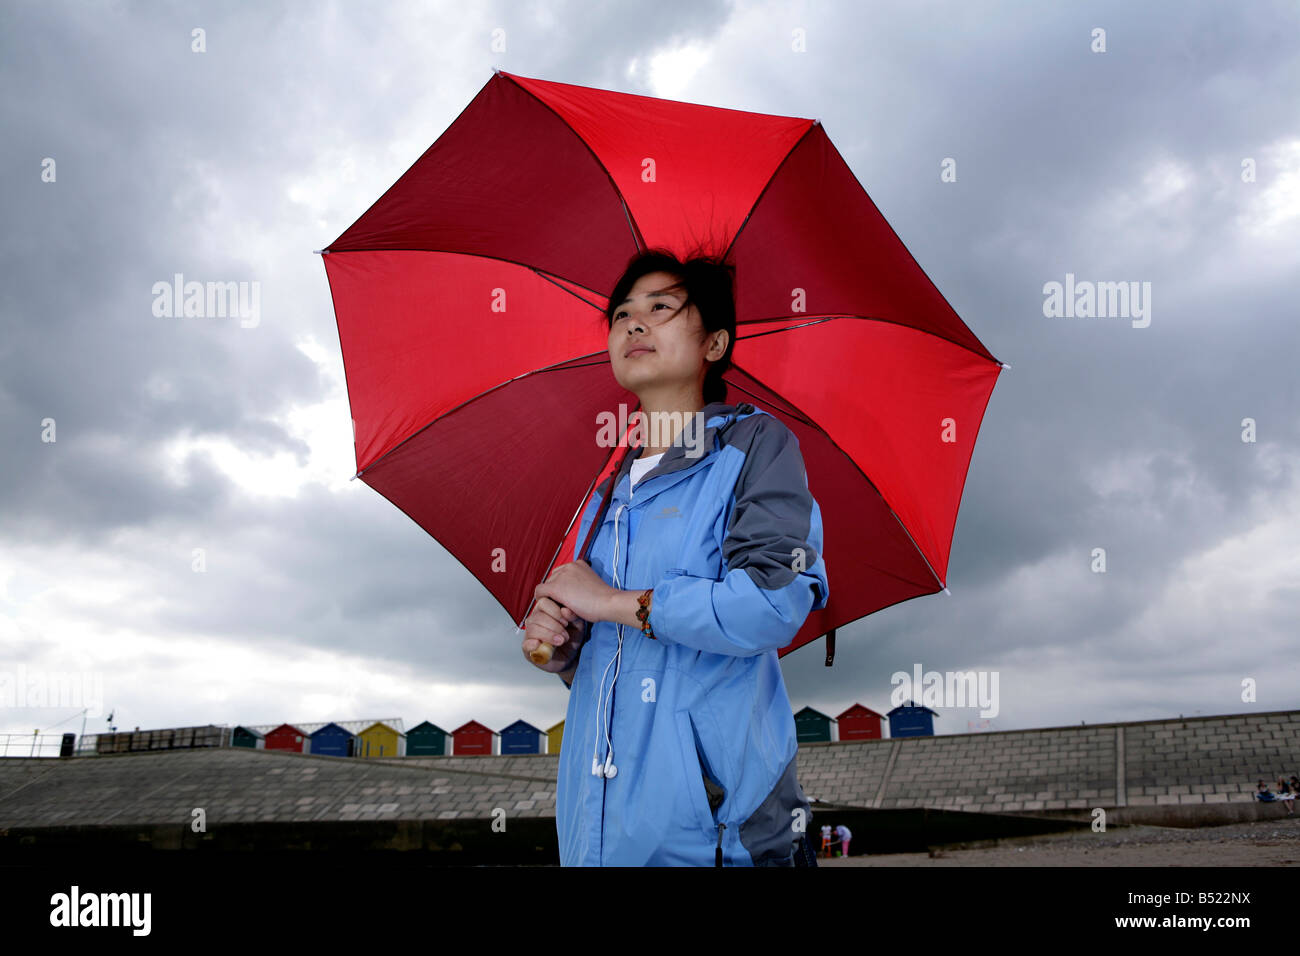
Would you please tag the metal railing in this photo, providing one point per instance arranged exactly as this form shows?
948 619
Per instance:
30 745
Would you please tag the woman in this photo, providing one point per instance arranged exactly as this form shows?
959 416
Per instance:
679 744
1284 793
843 834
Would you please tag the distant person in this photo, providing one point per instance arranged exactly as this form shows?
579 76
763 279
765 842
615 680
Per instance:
844 835
1295 784
1284 793
826 840
1265 795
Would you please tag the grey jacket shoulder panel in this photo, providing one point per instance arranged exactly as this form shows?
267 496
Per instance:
774 514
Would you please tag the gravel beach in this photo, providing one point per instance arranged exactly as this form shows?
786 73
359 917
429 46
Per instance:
1258 843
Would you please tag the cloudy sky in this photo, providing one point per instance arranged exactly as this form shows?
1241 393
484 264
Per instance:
1173 157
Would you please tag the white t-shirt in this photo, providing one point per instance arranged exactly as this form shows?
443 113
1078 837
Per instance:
642 465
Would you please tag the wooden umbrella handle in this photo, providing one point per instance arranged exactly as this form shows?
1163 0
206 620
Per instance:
543 652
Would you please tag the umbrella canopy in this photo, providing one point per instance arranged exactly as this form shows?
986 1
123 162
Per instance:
469 300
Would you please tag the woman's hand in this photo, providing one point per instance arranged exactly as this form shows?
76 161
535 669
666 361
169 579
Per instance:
579 589
557 626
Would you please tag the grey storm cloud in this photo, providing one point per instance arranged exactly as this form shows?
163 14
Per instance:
1115 166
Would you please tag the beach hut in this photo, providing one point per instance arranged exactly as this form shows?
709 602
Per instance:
554 738
473 738
426 740
521 737
287 737
331 741
911 720
380 740
244 737
812 726
859 723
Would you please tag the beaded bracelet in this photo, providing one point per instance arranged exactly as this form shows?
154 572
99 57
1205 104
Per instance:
643 613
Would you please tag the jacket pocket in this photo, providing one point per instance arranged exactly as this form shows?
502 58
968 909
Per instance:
705 794
770 833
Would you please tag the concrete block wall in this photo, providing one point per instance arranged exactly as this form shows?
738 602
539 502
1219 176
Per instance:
1213 760
1196 769
985 773
1186 771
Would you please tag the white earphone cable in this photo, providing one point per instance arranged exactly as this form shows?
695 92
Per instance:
603 713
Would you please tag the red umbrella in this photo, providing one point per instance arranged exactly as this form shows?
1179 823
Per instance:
469 304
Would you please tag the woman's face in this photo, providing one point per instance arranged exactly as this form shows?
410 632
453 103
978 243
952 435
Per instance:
651 344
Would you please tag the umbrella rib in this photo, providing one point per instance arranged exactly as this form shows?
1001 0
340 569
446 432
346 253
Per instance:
557 366
863 318
799 414
565 288
595 158
766 186
482 255
778 318
631 223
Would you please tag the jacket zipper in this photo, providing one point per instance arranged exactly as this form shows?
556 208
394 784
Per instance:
604 781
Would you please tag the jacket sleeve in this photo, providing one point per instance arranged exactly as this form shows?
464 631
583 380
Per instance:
775 575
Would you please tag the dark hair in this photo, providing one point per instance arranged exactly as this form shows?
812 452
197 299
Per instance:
709 284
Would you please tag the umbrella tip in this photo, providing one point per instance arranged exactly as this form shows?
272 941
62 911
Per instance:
318 252
947 592
1004 365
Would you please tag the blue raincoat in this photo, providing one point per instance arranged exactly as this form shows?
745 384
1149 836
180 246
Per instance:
695 726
